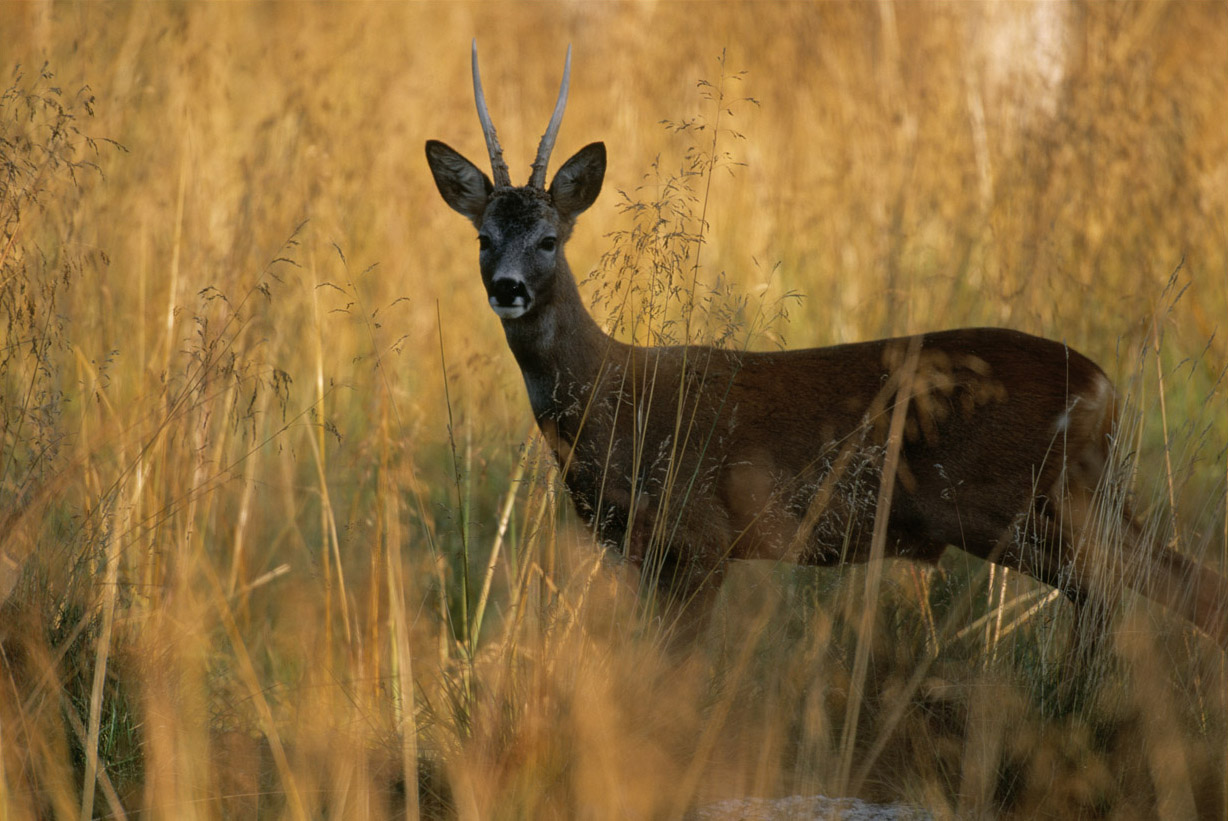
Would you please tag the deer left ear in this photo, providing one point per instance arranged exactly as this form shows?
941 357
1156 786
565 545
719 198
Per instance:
459 181
578 182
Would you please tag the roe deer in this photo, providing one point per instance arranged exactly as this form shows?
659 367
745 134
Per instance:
686 457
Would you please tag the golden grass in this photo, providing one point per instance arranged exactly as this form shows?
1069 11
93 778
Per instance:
276 537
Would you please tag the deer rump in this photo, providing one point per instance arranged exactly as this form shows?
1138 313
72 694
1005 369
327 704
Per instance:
692 454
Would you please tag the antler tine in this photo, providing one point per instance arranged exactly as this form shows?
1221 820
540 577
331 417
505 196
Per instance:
538 177
497 165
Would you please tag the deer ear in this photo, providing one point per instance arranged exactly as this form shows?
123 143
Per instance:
459 181
578 182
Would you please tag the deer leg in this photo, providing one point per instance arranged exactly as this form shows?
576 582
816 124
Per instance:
1177 582
684 591
1106 561
1091 577
1045 547
690 589
1083 659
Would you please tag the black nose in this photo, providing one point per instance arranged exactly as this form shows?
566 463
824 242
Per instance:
507 292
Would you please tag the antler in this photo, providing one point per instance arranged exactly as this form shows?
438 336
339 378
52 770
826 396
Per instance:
497 165
538 178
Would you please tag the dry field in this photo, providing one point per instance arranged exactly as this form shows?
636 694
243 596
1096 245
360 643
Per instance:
278 537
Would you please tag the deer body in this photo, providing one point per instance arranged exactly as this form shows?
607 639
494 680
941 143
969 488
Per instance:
693 446
687 457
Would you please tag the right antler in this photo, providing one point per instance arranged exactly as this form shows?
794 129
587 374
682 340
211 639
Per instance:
502 178
538 178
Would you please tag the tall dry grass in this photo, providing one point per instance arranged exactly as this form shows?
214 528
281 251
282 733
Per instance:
277 538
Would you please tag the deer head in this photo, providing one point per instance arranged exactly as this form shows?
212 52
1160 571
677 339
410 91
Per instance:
521 230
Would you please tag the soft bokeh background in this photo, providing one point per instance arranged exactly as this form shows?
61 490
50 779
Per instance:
255 478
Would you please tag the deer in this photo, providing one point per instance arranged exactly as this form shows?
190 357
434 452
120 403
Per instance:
685 458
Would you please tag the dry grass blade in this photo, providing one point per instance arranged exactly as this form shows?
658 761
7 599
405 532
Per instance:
903 395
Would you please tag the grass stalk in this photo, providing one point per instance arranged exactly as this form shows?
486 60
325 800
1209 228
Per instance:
246 671
505 515
330 543
102 653
460 486
400 650
903 379
1161 391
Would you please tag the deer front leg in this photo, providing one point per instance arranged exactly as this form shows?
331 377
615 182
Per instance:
680 575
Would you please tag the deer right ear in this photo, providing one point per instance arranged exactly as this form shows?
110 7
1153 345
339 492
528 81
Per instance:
577 184
459 181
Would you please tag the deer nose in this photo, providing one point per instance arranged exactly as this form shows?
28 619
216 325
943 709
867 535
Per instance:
509 296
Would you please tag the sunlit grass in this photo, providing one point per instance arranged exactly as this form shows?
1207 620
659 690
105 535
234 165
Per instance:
277 536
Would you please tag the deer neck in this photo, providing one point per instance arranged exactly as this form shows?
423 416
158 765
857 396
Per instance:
561 352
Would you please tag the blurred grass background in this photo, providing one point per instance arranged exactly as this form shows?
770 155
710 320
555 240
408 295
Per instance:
276 537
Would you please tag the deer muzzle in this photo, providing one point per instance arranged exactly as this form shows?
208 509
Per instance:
509 297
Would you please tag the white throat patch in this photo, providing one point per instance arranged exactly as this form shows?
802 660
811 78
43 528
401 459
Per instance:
513 311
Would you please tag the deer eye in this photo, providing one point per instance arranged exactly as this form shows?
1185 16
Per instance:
547 244
483 242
